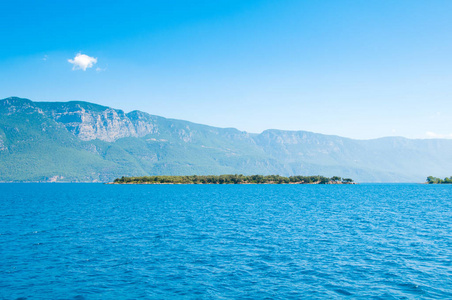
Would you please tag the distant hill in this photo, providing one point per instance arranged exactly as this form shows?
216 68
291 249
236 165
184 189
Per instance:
82 141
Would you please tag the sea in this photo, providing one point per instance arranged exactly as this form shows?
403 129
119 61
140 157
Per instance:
97 241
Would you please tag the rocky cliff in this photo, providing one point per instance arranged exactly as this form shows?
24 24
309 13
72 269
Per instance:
90 122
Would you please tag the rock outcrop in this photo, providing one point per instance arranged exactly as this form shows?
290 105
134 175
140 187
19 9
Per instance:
90 122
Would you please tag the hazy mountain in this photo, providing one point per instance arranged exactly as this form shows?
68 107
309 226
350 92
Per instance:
81 141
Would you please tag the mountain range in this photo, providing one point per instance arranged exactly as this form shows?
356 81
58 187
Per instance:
79 141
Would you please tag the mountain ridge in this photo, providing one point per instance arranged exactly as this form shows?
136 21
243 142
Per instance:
90 142
190 122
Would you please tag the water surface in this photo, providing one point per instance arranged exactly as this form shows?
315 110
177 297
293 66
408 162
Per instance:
94 241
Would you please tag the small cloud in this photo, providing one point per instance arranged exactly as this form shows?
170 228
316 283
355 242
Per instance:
44 58
100 69
82 62
433 135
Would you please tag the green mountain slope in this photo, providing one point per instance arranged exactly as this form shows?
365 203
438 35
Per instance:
82 141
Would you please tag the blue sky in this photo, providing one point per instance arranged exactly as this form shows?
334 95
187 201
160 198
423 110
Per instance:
360 69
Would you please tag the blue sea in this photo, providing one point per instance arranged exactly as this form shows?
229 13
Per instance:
95 241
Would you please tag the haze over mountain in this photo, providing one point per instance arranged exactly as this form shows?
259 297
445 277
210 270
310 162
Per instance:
82 141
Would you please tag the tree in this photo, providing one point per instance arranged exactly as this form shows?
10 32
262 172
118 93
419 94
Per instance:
432 180
336 178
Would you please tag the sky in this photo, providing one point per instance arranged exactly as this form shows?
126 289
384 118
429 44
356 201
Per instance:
361 69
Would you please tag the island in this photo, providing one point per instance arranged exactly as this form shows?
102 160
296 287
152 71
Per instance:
233 179
436 180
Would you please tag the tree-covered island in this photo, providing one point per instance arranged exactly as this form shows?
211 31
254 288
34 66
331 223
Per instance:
435 180
233 179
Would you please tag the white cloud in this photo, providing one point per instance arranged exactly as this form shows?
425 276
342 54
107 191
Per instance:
434 135
45 57
82 62
100 69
